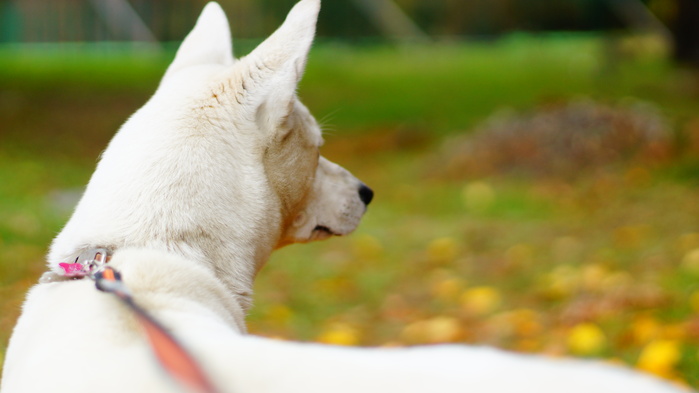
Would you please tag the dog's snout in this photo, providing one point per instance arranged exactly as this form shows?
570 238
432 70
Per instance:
365 194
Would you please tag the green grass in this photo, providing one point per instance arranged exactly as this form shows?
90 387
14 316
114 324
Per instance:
462 82
605 249
382 86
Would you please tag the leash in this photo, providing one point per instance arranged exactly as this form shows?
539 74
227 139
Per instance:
171 355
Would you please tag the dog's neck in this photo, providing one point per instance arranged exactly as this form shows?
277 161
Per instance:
231 257
235 276
242 262
148 273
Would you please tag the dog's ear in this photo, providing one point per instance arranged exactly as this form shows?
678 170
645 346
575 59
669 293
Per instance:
209 42
272 71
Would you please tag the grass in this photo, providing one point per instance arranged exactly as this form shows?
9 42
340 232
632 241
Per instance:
601 266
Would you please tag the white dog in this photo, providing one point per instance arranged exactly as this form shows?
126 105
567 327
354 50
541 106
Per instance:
192 195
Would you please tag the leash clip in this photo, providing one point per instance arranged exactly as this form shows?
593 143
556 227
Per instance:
93 261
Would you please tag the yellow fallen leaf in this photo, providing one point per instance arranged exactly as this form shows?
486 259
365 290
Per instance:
526 322
443 329
367 247
340 334
594 276
442 250
675 331
644 328
688 242
616 281
334 287
527 345
586 339
480 300
279 314
631 236
447 288
691 261
660 357
519 254
478 196
434 330
561 282
565 248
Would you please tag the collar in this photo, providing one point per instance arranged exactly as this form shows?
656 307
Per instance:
86 264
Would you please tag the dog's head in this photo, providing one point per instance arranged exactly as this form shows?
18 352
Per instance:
223 161
316 198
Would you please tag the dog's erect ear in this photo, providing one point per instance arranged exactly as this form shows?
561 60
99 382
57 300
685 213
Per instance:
275 67
209 42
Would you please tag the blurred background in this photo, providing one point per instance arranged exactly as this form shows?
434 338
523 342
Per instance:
535 162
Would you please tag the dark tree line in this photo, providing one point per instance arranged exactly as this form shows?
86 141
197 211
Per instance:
169 20
685 31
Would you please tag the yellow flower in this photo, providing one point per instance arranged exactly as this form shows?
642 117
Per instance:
660 357
340 334
586 339
480 300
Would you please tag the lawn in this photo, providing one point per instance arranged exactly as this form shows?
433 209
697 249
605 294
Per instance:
604 264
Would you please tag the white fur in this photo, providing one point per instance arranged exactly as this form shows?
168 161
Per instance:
195 191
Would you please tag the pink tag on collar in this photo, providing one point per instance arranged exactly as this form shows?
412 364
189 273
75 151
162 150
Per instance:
72 269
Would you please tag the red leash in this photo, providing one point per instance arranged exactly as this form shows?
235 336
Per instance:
178 363
171 355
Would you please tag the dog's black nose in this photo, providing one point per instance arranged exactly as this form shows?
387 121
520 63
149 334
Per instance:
365 194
